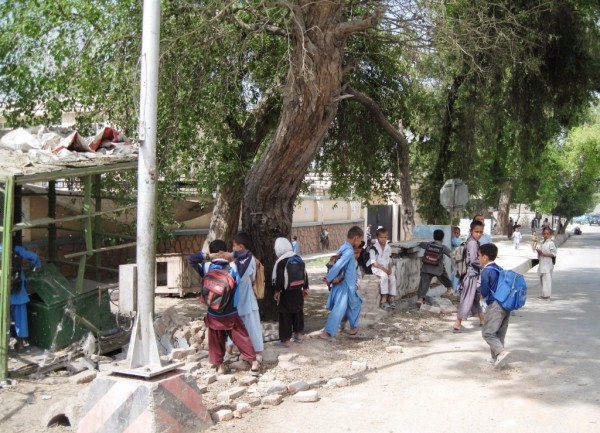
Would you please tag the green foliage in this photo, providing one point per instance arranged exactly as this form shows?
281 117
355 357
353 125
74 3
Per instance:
508 86
480 87
571 178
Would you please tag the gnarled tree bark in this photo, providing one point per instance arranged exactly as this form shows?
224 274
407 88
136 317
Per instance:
311 96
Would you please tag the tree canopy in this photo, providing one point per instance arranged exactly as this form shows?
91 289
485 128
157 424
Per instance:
377 94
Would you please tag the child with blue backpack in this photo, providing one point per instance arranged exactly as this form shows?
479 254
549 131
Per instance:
496 317
223 320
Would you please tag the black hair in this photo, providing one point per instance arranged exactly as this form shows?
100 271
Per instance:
355 231
217 246
489 250
476 224
295 237
242 238
438 235
381 231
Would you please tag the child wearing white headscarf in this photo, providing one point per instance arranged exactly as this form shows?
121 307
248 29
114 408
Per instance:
290 301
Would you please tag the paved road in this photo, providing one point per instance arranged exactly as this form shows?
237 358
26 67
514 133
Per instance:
552 383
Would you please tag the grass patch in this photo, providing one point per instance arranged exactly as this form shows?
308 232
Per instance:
317 262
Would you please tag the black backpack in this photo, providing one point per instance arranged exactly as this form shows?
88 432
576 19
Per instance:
369 269
294 273
433 254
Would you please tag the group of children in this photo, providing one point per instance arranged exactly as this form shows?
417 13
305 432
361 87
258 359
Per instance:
481 281
240 321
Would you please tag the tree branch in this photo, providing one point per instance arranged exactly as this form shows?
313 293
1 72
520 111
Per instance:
398 136
368 22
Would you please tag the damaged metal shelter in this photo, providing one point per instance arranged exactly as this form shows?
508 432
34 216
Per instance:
61 310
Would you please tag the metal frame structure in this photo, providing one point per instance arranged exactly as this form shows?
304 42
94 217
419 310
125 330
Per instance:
12 181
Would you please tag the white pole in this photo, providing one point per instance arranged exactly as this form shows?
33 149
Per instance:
144 350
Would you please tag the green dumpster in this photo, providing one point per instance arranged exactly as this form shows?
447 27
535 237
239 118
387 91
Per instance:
58 315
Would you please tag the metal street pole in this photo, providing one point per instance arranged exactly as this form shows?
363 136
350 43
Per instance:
143 350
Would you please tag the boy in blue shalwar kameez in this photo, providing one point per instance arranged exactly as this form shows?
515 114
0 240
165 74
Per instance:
19 297
343 299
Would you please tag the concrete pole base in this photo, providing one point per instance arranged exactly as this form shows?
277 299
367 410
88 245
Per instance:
171 402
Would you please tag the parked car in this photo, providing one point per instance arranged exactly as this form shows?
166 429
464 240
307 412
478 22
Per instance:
594 219
583 219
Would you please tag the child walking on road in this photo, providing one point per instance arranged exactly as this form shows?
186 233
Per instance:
517 236
496 317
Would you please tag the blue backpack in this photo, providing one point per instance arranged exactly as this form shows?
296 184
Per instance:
511 291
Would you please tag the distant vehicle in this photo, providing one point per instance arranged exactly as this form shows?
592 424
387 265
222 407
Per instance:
594 219
583 219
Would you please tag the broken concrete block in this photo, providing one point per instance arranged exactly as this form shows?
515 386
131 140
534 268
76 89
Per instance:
393 349
210 378
84 377
295 387
231 393
337 382
272 400
243 407
222 415
248 380
306 396
182 353
225 378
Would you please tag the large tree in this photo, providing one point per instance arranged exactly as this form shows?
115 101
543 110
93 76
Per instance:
249 91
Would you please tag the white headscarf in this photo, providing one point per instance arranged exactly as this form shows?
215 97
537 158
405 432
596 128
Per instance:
283 250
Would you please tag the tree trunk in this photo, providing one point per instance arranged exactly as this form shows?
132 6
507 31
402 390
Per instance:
311 95
504 208
226 214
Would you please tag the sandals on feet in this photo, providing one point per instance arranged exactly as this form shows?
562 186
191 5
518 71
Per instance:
385 306
358 334
282 344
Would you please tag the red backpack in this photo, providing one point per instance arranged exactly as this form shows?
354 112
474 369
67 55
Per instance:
218 286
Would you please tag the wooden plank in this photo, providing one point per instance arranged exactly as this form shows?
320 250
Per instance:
98 250
46 220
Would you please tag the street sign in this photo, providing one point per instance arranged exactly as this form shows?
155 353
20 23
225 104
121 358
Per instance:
454 195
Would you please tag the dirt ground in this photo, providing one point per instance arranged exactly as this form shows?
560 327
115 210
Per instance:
26 402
